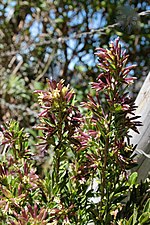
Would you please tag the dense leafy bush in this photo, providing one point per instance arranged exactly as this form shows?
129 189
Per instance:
78 173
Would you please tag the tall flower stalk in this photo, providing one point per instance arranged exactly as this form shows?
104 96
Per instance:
110 120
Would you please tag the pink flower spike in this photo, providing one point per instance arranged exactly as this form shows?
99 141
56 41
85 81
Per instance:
125 107
39 91
52 84
31 210
35 210
69 96
77 119
43 214
130 80
125 58
25 215
119 50
43 113
60 85
116 44
101 49
92 100
124 53
93 133
130 67
101 55
125 73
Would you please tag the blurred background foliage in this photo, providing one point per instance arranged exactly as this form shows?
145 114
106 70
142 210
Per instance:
56 39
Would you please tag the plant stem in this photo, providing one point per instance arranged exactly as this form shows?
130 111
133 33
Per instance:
103 176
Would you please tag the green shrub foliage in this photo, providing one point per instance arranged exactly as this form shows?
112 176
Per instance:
78 171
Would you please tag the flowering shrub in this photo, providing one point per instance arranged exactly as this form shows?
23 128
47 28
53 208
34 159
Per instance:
79 171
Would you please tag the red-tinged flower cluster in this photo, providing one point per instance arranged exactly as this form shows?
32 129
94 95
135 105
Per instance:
89 167
60 117
85 137
28 176
57 96
30 215
15 139
112 65
60 212
115 114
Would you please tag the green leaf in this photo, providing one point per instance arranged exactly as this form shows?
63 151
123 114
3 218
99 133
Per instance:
147 206
113 66
145 217
133 218
7 193
133 178
48 122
